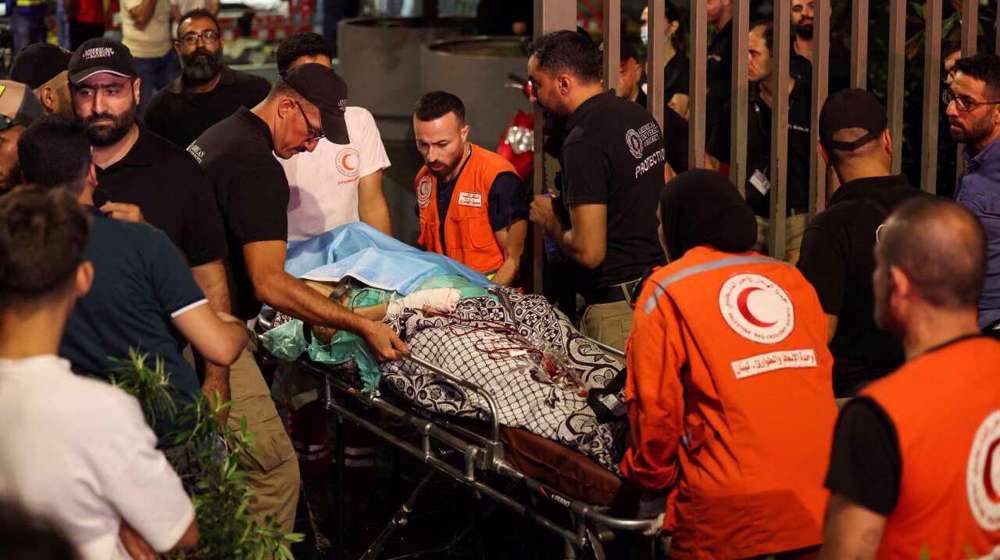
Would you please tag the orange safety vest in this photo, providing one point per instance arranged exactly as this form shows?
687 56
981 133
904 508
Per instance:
730 399
468 235
945 406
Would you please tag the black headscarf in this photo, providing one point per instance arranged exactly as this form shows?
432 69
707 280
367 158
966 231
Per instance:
703 207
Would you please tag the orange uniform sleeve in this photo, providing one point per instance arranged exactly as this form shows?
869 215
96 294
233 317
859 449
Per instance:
655 354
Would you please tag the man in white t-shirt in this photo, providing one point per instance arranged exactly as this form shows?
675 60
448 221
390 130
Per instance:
335 184
72 448
146 33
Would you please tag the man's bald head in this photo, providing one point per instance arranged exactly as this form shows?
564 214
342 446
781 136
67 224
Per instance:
940 247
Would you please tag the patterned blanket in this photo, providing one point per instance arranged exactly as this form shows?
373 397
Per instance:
528 355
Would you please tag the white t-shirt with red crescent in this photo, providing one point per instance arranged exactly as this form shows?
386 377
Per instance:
323 183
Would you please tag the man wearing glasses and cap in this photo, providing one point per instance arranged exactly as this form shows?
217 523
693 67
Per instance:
18 109
972 103
306 104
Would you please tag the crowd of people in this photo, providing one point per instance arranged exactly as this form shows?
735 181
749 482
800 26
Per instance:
160 222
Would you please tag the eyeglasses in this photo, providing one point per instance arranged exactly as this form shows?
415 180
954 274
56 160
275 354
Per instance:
315 133
963 103
191 39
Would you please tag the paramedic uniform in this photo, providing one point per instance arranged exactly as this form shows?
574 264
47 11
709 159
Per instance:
731 404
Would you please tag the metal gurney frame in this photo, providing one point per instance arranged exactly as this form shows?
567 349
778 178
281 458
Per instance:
478 454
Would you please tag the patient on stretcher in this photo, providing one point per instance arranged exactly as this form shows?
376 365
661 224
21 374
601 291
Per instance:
545 376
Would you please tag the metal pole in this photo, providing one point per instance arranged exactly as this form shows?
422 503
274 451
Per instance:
780 81
612 41
932 96
740 96
550 15
970 33
859 44
699 77
654 76
820 87
897 65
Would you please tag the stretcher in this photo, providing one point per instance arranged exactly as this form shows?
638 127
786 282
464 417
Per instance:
483 457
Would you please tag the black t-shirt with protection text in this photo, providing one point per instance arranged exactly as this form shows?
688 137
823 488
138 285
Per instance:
614 155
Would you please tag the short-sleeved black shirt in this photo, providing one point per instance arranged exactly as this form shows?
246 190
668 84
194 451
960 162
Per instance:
759 149
719 75
614 155
675 134
676 76
837 258
865 462
181 116
172 193
251 191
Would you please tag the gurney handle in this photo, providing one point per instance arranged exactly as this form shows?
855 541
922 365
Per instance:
490 399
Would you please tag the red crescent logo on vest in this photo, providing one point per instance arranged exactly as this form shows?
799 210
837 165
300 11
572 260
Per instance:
424 192
756 308
347 162
982 477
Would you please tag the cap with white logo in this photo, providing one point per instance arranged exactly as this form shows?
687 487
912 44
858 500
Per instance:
96 56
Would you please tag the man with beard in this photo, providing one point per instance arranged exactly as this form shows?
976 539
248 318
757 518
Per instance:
906 482
142 177
18 109
973 109
207 91
612 173
471 203
803 17
43 68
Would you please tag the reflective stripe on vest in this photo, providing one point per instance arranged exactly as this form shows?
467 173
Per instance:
661 287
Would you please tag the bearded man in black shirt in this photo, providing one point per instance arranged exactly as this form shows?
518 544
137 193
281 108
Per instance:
612 174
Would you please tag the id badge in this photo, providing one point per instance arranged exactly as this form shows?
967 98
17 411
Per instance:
760 182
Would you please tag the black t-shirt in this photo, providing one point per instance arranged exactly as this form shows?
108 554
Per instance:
172 193
181 116
676 77
759 150
251 191
719 74
865 463
614 155
837 258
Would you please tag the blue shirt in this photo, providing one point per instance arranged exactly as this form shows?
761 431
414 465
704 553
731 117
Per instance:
140 282
979 191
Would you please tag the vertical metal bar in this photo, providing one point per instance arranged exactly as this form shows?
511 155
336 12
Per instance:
740 96
932 96
859 44
612 41
820 87
970 34
340 455
550 15
654 77
897 65
996 32
780 82
699 77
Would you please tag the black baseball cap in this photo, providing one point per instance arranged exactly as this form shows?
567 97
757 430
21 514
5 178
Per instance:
851 108
322 87
38 63
99 55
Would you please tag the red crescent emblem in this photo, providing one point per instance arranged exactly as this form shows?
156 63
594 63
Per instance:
344 161
741 303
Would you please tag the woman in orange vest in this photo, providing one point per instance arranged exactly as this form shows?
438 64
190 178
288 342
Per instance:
915 466
472 205
729 384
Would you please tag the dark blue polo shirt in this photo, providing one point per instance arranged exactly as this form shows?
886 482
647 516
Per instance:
979 191
140 282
